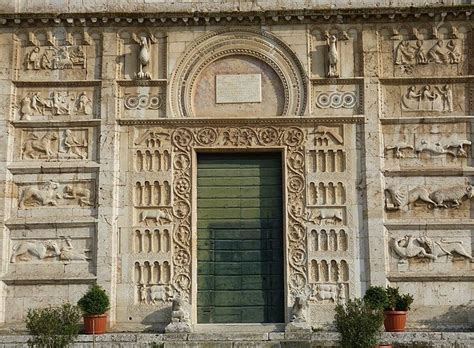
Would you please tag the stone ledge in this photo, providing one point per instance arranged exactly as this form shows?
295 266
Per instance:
260 340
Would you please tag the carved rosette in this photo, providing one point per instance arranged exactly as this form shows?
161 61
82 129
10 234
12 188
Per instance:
291 138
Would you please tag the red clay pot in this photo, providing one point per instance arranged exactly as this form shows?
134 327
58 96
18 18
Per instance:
395 321
95 324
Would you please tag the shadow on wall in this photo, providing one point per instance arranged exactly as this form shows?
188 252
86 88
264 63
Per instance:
456 318
157 321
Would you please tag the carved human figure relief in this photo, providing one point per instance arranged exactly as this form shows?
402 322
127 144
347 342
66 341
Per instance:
46 195
419 52
424 247
332 56
55 58
439 98
69 253
73 146
449 197
56 103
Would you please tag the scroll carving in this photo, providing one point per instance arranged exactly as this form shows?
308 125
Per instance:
183 141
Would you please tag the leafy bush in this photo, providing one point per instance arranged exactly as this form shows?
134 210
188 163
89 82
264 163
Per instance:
358 323
397 301
376 297
54 327
95 301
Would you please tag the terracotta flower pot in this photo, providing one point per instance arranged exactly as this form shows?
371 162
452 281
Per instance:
384 346
395 321
95 324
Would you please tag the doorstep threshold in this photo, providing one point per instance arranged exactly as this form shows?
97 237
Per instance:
239 327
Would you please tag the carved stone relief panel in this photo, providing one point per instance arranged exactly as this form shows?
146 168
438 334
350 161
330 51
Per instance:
422 146
142 55
334 52
329 192
148 101
40 196
430 253
339 97
47 252
426 99
438 50
58 104
57 54
56 144
428 198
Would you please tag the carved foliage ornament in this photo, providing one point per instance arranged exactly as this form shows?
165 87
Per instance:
227 42
184 139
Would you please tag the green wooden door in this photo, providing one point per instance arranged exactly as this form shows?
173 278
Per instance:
240 253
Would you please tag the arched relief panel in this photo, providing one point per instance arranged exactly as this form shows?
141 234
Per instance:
246 53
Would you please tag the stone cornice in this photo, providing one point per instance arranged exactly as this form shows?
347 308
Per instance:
256 17
229 122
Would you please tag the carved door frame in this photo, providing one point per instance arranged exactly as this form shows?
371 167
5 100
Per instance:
187 142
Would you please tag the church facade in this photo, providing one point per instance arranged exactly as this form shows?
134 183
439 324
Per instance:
236 156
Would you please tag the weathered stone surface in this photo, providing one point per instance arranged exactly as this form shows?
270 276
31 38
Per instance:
107 103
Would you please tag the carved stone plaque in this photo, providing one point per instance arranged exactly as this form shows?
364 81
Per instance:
244 88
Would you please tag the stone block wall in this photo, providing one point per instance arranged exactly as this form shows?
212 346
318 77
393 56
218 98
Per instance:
103 116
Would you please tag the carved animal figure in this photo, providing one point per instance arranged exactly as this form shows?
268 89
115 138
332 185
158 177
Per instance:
333 57
444 247
408 247
159 293
68 253
158 215
435 148
453 194
327 292
298 311
436 199
25 250
333 216
459 146
33 147
398 149
178 313
143 58
44 196
81 193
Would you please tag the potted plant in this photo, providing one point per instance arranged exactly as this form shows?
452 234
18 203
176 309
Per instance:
94 304
376 298
358 323
396 310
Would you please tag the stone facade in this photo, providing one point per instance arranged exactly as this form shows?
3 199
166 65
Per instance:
371 109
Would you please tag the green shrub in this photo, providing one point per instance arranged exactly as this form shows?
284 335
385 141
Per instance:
53 327
397 301
95 301
358 323
376 297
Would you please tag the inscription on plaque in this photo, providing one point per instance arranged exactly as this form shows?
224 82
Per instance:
245 88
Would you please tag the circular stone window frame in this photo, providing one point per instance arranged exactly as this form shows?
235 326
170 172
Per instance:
259 44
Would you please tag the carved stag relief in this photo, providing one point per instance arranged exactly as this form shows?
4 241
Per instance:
452 146
55 144
25 251
424 247
183 141
428 98
57 103
50 194
55 58
448 198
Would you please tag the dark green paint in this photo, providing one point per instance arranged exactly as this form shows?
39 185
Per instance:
240 253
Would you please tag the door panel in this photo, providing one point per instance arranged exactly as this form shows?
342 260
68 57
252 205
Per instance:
240 253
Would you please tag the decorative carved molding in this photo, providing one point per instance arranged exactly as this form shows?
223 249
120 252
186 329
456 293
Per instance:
259 44
185 139
144 101
336 100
